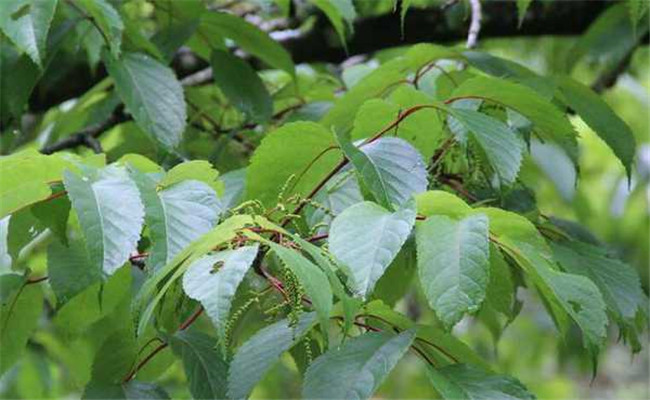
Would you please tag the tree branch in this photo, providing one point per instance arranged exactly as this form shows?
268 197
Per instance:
475 24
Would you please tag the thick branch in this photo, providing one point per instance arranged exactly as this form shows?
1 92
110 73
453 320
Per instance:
499 19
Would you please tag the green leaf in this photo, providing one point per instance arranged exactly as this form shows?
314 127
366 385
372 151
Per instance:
339 193
338 12
618 282
19 316
300 149
198 170
26 23
205 368
566 295
467 382
108 20
115 357
341 115
25 179
152 94
502 146
110 213
176 216
601 118
249 38
234 183
254 358
500 294
366 238
213 280
437 202
315 282
69 269
637 9
131 390
453 264
357 368
551 123
522 7
241 85
390 167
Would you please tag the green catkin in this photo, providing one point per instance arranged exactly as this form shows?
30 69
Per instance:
308 351
236 315
285 187
295 292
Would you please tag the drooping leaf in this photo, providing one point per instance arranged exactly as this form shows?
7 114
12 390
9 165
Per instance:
213 280
566 295
600 117
253 359
357 368
338 12
234 183
108 20
152 94
27 23
502 146
366 238
453 264
206 369
110 213
546 118
617 281
19 316
248 37
115 357
176 216
466 382
522 7
241 85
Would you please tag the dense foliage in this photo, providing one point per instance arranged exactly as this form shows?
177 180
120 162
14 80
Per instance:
255 209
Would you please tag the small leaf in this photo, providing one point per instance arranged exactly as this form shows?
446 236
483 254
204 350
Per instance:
254 358
26 23
522 7
110 213
357 368
213 280
109 22
206 369
241 85
461 381
453 264
366 238
152 94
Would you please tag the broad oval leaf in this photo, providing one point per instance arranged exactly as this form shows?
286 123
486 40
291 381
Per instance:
241 84
110 213
305 150
254 358
366 238
357 368
19 316
152 94
467 382
108 20
206 369
453 264
213 280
